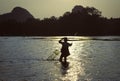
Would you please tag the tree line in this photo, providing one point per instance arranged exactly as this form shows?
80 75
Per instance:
85 21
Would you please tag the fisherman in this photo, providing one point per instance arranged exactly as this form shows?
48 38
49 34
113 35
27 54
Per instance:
65 49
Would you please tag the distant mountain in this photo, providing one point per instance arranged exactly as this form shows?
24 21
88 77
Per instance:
82 21
19 14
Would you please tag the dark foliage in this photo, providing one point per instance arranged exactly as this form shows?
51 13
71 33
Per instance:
81 21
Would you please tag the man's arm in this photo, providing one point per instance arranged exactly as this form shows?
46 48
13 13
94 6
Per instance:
60 41
70 44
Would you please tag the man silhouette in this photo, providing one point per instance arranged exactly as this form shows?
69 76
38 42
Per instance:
65 49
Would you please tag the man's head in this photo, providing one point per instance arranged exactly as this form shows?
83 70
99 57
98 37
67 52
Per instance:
65 39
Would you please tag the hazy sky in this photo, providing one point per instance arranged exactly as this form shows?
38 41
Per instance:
48 8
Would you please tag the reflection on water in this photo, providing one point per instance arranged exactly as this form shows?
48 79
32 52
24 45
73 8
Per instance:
91 59
75 69
64 68
71 71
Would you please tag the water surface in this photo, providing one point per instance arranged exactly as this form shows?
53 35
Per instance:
91 59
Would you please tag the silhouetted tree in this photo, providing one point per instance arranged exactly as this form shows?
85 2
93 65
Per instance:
93 11
81 21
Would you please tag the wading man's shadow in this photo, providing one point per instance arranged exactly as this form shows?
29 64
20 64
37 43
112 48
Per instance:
64 67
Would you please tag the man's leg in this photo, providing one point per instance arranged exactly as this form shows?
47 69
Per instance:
61 58
65 59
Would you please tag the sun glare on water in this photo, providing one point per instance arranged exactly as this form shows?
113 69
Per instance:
76 69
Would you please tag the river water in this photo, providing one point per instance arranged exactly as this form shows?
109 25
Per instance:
30 59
